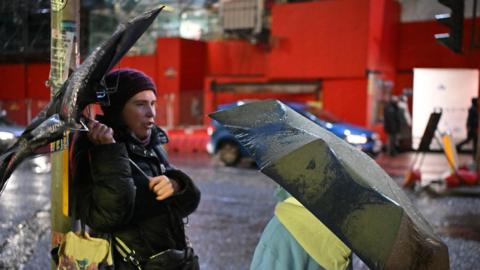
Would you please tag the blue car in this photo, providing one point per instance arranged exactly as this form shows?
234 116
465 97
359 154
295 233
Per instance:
228 150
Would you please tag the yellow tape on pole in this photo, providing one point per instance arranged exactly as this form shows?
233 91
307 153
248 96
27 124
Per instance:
65 189
65 35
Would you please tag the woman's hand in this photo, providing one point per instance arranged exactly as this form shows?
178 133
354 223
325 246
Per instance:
163 187
99 133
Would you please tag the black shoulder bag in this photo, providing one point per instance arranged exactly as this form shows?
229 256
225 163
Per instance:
170 259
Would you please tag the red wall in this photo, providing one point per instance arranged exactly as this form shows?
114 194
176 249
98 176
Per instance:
403 80
24 81
193 64
37 76
235 58
334 41
23 90
181 67
193 68
321 39
168 64
383 37
13 81
418 48
346 99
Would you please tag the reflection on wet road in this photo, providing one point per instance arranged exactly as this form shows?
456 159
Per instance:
236 204
24 216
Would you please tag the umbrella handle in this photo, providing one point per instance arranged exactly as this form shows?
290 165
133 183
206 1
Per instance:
83 123
139 169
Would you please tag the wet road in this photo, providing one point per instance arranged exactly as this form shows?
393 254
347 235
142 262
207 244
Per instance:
24 217
236 204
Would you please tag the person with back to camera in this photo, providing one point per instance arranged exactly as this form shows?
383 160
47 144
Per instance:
294 239
144 213
472 127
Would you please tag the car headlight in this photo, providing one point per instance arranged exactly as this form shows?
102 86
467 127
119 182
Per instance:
6 136
356 139
210 130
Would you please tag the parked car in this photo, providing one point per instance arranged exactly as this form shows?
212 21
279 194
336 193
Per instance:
8 132
229 151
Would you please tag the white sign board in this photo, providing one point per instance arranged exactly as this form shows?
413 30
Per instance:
451 90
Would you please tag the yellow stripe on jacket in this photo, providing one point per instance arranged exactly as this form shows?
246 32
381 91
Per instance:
315 238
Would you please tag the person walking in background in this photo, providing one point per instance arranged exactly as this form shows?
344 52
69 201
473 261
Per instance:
124 184
404 140
391 124
472 127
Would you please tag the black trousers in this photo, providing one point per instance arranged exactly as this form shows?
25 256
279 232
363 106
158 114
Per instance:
471 135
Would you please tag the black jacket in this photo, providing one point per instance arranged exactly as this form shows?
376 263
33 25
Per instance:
472 119
113 197
391 118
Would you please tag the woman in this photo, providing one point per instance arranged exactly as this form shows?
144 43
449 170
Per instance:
125 186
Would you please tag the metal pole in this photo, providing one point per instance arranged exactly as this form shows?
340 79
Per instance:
64 56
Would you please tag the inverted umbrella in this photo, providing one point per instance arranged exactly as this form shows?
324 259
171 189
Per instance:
343 187
84 86
85 83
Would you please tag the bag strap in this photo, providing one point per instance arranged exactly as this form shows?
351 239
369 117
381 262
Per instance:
127 254
73 216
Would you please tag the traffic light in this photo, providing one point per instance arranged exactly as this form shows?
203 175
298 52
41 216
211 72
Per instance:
454 21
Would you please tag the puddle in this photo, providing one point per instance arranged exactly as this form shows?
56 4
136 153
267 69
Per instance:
461 226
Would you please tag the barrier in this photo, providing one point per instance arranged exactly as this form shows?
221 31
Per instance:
187 140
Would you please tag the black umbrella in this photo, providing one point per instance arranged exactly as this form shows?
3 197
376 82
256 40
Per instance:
84 86
343 187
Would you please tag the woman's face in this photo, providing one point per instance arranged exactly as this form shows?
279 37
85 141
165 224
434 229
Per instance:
139 113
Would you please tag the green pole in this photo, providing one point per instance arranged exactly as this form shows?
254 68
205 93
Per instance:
64 56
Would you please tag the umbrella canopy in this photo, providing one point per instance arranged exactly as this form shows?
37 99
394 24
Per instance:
343 187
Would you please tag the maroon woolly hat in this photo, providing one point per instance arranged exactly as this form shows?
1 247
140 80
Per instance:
123 84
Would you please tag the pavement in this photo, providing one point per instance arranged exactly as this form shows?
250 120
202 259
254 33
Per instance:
433 167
